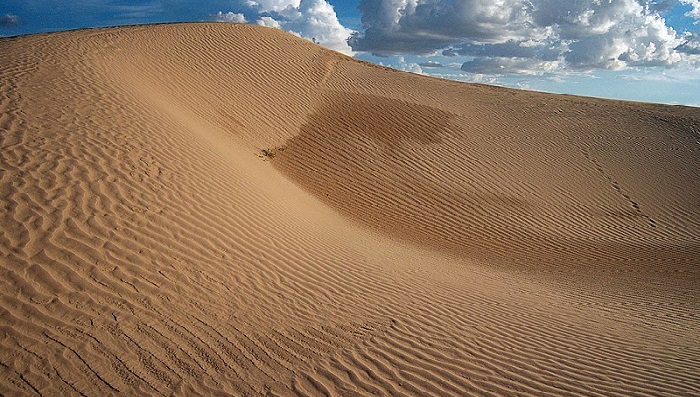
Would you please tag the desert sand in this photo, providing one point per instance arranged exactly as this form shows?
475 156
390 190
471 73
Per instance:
219 209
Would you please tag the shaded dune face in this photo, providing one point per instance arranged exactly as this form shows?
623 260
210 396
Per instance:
413 237
365 155
409 170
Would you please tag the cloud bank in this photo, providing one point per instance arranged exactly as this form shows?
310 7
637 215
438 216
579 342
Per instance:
311 19
529 36
497 36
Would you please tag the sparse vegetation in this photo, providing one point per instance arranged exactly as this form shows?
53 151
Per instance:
270 153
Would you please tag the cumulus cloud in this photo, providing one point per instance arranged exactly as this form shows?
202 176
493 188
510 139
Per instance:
691 44
526 36
661 6
547 50
9 20
230 17
695 11
423 26
502 65
269 22
407 66
273 5
311 19
431 64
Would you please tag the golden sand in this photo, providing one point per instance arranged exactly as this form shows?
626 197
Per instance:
217 209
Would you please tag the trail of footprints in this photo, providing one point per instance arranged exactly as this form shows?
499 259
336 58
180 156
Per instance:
616 186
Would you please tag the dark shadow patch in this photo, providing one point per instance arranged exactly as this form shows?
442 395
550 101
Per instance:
388 122
391 165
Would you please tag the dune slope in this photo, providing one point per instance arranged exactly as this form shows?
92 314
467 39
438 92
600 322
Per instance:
402 236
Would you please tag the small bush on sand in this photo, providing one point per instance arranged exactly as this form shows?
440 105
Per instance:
270 153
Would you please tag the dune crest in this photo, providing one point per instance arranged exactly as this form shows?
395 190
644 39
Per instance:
410 236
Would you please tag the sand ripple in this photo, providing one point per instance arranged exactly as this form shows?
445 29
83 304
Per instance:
411 236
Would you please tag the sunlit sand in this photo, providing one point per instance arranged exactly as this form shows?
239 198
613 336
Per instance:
218 209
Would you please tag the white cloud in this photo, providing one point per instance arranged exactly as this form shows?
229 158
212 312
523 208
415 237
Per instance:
8 20
408 66
691 44
482 79
526 36
472 78
500 65
230 17
311 19
424 26
618 34
695 12
272 5
269 22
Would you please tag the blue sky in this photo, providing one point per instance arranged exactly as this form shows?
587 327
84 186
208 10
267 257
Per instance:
645 50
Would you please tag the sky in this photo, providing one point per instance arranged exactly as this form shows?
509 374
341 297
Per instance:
643 50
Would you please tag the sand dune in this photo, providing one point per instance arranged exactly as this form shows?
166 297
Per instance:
410 236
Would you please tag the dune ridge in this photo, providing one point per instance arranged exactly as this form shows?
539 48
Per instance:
411 236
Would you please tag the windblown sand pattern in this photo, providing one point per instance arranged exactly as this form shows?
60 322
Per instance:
410 236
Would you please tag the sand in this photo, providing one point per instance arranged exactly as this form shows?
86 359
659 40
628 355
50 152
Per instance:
401 235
